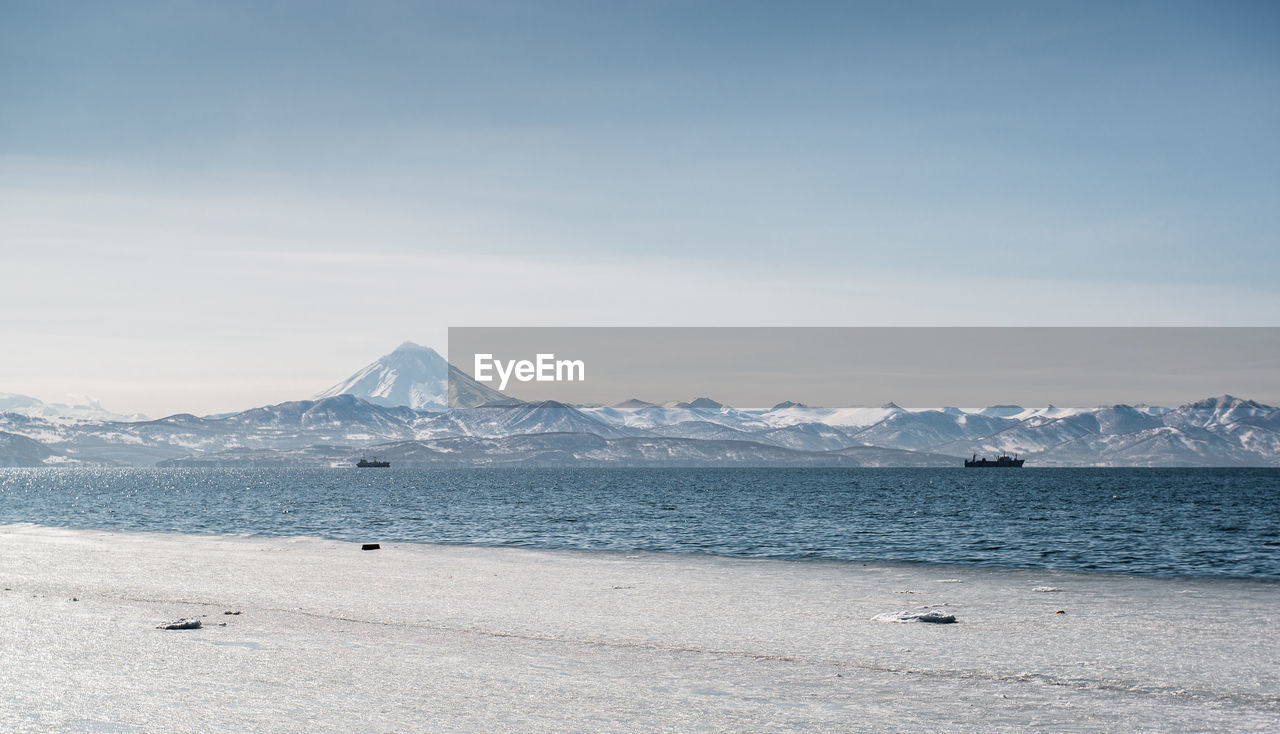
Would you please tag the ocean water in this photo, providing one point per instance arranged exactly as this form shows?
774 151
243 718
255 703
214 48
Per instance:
1197 522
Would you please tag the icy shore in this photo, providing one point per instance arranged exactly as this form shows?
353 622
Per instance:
419 637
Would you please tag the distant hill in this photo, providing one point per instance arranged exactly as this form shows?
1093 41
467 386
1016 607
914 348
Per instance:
85 409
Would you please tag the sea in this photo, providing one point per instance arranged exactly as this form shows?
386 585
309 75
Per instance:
1164 522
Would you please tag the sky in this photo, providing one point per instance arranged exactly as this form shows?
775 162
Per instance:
211 206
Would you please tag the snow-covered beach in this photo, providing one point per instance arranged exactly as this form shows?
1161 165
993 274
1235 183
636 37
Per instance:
421 637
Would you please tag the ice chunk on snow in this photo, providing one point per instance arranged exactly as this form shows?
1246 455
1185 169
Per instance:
186 623
935 616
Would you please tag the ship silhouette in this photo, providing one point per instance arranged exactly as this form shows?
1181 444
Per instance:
1001 461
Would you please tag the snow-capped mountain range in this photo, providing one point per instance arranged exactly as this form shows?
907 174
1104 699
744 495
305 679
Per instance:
396 408
83 409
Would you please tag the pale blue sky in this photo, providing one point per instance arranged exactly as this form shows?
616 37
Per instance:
207 206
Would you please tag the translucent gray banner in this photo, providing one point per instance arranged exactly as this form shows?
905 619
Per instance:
863 366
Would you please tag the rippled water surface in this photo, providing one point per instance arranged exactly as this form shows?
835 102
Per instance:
1222 522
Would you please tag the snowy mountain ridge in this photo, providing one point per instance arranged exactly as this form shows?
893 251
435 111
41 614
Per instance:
401 400
84 409
1222 431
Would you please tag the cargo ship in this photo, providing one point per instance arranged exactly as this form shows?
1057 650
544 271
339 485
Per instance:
374 463
1003 460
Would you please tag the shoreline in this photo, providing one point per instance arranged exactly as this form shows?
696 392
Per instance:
463 637
838 562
